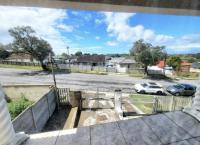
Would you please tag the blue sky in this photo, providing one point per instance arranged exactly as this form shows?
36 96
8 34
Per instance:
103 32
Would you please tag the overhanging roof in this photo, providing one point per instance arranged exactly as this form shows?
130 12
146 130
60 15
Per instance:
179 7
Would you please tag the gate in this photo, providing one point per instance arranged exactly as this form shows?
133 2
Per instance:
63 96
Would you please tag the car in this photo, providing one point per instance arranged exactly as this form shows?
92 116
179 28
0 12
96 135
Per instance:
150 87
182 90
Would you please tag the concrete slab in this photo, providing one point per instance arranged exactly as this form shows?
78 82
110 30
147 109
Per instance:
47 138
78 136
88 118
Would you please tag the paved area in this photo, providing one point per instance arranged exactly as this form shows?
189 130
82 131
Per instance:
174 128
78 81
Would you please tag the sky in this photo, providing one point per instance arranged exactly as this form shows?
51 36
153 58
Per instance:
103 32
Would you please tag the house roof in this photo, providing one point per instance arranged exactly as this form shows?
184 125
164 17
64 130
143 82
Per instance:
116 59
91 59
128 61
161 64
122 60
185 63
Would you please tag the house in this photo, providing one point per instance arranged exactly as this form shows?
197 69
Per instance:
185 67
21 57
161 64
127 65
92 60
162 68
122 64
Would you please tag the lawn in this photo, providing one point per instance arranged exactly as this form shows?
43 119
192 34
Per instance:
91 72
136 74
20 67
190 75
143 102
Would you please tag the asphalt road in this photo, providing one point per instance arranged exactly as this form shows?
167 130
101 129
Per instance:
79 81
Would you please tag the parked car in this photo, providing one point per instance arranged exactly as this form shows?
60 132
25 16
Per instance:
150 87
182 90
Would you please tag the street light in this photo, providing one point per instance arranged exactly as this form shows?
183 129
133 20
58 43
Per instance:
68 56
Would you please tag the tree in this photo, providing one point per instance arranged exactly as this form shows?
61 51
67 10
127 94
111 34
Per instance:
26 41
78 53
3 52
146 54
174 62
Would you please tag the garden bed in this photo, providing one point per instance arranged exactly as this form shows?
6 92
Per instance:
17 106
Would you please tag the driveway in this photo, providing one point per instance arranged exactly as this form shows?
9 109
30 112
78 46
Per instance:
78 80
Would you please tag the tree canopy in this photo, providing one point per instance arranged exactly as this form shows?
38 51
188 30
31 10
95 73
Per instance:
3 52
78 53
147 54
25 40
174 62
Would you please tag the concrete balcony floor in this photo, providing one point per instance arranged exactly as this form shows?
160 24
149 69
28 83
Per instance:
173 128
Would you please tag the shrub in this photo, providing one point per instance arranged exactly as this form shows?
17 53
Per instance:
17 106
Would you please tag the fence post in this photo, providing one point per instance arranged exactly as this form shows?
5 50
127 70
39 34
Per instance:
33 117
48 105
155 104
172 105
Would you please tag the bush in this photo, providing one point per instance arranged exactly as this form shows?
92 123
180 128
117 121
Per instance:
17 106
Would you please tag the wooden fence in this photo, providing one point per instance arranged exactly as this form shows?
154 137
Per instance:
170 103
63 96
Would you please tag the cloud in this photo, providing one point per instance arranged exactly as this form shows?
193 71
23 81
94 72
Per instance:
118 27
66 28
78 37
112 43
46 23
93 47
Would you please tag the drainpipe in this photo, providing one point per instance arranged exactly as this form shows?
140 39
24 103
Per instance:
8 135
118 103
195 109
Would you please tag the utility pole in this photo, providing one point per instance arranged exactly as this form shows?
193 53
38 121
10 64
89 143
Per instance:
68 56
53 73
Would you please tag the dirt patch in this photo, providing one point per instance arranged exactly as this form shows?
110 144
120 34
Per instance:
58 119
31 92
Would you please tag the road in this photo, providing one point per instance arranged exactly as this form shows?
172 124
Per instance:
78 80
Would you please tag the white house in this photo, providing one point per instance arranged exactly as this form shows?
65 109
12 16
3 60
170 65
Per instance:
122 64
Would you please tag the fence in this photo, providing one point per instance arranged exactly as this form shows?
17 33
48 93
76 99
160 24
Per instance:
34 118
63 96
19 63
170 103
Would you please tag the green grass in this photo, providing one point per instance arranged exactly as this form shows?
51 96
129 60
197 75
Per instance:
90 72
143 102
20 67
187 75
17 106
136 74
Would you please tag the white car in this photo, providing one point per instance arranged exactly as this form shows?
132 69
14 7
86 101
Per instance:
150 87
